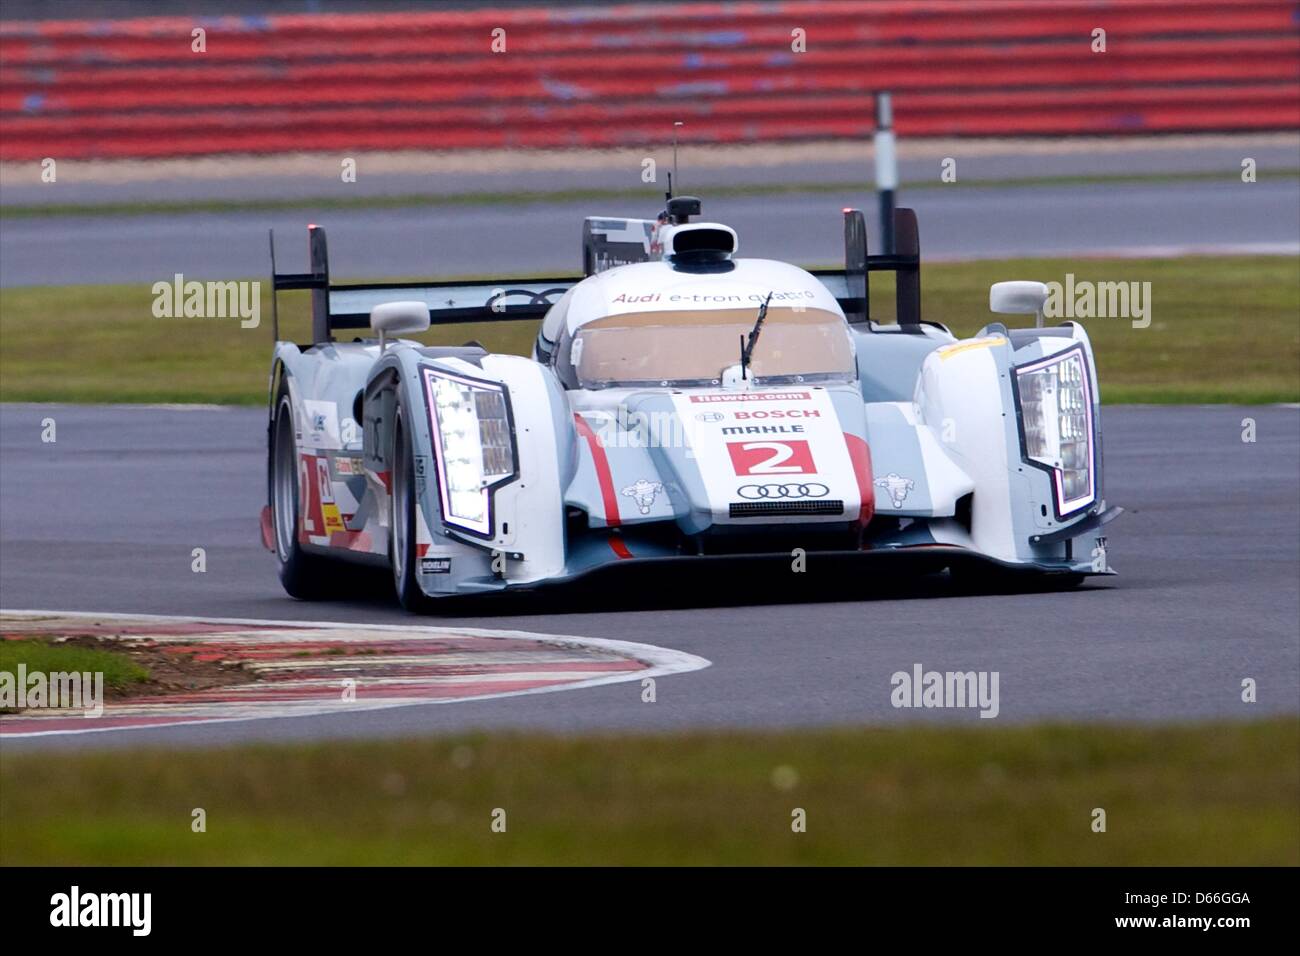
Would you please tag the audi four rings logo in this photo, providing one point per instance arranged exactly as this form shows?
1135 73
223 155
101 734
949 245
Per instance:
791 490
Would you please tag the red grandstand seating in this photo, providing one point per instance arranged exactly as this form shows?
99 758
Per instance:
608 76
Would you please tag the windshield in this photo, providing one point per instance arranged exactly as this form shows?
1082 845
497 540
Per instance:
694 347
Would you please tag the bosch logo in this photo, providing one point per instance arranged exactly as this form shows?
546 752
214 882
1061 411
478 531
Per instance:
710 416
787 491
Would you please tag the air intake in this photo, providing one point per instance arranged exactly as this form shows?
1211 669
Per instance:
699 239
774 509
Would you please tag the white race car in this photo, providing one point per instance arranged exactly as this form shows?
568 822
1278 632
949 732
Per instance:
682 404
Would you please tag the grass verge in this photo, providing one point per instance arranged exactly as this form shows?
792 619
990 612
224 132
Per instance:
48 657
1209 794
1222 330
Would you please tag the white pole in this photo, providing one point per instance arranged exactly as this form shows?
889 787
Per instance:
886 169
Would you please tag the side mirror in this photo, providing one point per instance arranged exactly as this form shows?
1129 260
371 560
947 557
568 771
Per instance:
399 318
1018 298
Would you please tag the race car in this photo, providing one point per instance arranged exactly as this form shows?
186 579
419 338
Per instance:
681 404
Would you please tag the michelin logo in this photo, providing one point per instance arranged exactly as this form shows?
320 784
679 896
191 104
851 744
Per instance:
643 493
896 486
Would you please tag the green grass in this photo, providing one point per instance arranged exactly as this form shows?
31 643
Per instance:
1208 794
1222 330
520 197
119 671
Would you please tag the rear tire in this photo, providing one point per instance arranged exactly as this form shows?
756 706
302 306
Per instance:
401 520
308 577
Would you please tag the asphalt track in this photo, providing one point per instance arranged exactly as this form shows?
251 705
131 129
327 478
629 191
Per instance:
957 221
702 170
1209 559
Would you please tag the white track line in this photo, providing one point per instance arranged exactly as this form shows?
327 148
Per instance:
663 661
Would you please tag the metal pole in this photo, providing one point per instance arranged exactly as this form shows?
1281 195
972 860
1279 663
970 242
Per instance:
886 169
677 124
275 305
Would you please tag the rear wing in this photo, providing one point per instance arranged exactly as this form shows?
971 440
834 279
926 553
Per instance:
347 306
606 242
851 285
609 242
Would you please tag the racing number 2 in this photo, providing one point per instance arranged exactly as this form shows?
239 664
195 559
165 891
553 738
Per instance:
771 458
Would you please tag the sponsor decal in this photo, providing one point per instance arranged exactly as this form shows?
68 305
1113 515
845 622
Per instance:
771 457
762 430
807 445
324 487
948 351
329 511
750 397
309 486
788 491
421 471
435 565
333 520
497 300
698 298
348 466
778 413
896 486
643 493
322 424
760 415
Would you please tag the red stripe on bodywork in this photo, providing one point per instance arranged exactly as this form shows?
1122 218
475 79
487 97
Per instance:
268 532
860 455
309 495
603 476
618 547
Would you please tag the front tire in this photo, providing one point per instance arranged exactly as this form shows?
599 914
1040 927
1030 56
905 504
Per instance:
401 521
307 577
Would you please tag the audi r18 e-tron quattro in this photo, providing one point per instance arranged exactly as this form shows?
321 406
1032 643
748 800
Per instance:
681 404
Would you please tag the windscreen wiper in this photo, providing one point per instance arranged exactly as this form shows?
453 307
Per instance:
747 346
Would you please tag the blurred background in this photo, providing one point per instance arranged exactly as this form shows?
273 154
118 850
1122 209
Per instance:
144 139
98 80
539 113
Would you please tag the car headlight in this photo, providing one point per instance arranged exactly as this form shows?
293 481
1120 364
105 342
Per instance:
473 443
1057 429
